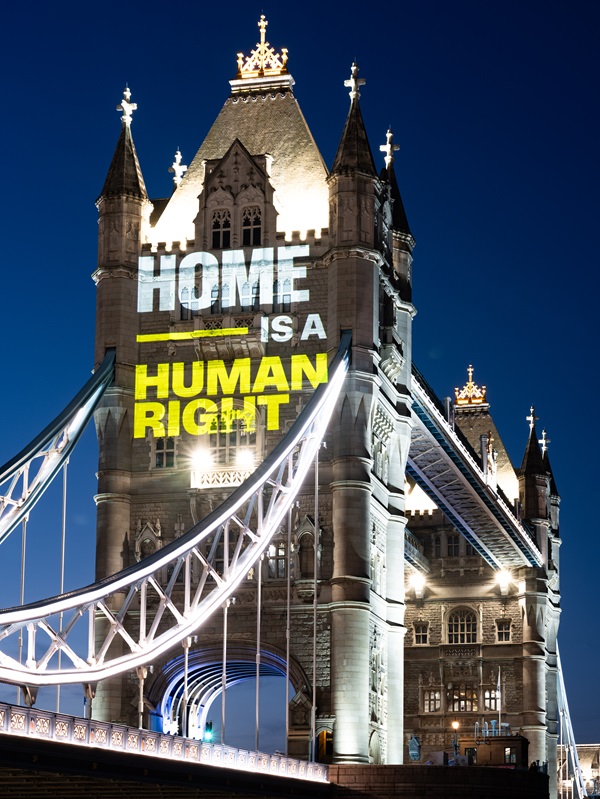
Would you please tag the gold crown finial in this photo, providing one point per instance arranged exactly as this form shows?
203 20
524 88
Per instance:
471 393
262 61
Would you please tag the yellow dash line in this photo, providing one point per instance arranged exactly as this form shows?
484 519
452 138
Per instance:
191 334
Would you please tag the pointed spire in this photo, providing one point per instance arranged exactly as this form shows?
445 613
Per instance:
354 153
399 218
546 461
124 175
532 459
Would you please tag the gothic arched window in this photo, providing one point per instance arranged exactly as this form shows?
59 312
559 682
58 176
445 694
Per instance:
221 229
462 627
251 226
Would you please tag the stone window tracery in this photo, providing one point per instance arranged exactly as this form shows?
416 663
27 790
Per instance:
164 453
432 701
462 698
421 633
221 229
503 630
462 627
251 226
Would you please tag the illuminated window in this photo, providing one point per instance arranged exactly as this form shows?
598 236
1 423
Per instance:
462 698
471 755
421 633
462 627
510 755
490 699
221 229
432 701
232 439
503 630
251 226
277 561
453 546
164 453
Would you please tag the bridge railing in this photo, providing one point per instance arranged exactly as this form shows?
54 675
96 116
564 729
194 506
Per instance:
42 725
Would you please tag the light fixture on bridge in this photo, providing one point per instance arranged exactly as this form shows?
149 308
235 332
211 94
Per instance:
417 583
244 458
503 579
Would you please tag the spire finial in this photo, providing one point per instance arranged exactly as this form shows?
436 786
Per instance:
544 441
354 82
470 394
177 168
532 418
263 61
389 148
126 107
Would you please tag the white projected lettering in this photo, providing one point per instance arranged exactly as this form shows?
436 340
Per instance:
269 266
209 397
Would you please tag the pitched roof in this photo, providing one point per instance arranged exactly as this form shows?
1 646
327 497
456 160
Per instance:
399 219
124 177
354 152
548 468
264 121
532 459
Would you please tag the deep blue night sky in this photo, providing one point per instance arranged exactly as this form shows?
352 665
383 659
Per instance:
495 106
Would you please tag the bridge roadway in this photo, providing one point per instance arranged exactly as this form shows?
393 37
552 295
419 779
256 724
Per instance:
445 467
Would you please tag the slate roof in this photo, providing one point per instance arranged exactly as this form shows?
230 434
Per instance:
532 459
124 177
266 121
354 152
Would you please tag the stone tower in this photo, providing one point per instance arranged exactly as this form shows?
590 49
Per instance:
224 303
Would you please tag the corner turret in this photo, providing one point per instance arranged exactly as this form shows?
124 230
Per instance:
403 241
124 213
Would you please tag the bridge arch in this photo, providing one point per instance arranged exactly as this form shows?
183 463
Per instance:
165 692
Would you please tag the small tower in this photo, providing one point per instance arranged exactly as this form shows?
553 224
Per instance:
534 481
124 211
402 239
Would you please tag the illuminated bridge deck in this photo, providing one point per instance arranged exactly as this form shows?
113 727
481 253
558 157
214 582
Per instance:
39 726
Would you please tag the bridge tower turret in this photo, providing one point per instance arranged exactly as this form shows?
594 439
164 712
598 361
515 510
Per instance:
369 288
124 211
540 601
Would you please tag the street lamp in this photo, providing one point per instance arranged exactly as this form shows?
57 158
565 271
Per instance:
455 726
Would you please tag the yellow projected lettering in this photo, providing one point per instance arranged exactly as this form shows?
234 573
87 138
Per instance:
241 386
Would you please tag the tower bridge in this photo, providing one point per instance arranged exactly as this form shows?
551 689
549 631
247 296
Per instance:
383 553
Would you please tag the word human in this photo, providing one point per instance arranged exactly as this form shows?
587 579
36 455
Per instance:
243 387
231 278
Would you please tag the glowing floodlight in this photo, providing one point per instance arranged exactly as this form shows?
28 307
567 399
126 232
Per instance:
417 583
503 579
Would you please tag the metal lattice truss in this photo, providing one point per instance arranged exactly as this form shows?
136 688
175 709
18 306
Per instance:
445 469
24 479
567 735
138 614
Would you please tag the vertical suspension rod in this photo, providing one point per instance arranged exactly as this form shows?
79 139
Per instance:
313 712
63 541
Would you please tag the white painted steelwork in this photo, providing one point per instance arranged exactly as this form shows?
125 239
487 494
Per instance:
25 477
133 617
